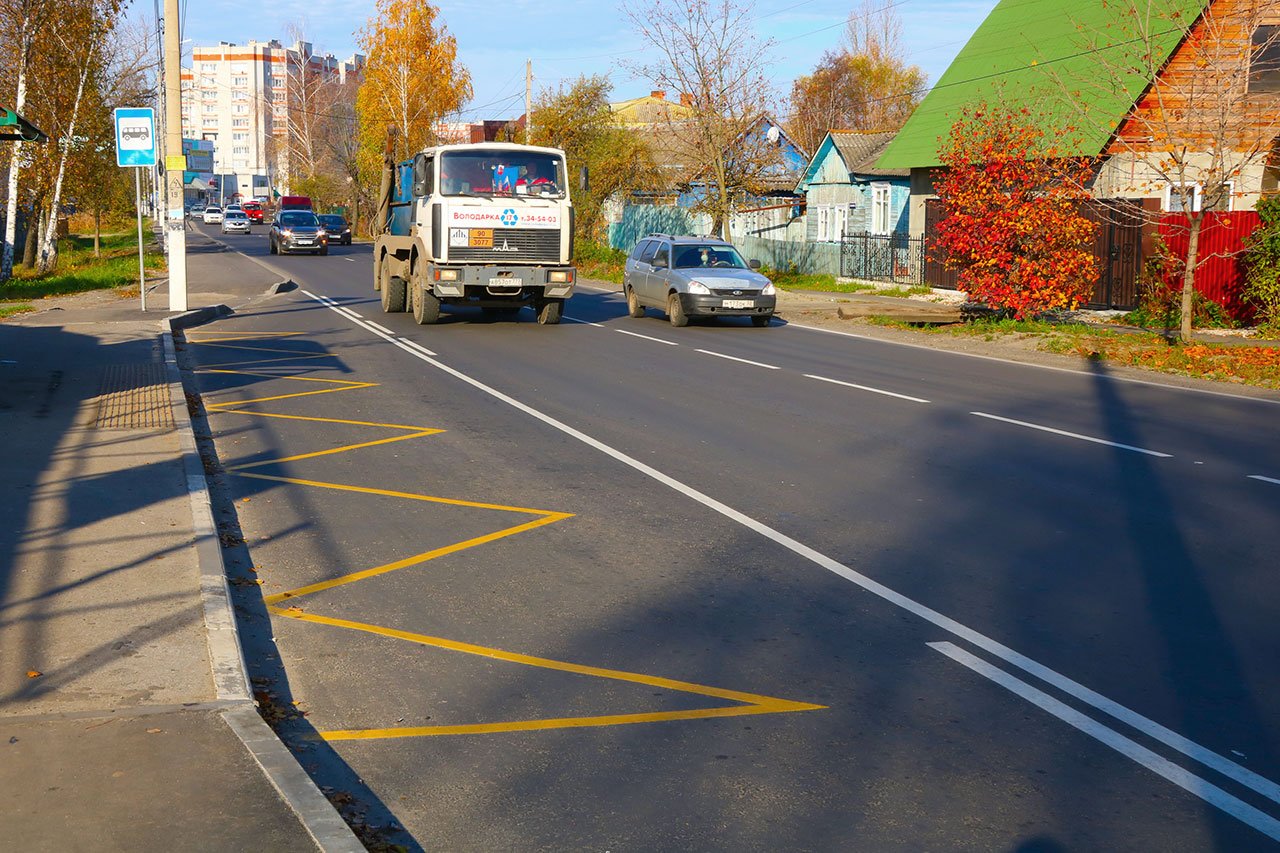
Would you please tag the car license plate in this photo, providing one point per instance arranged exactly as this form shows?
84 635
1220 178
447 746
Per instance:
739 303
304 241
504 282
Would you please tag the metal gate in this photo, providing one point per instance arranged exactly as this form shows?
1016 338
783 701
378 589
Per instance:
896 258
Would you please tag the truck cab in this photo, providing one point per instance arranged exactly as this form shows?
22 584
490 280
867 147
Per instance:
488 225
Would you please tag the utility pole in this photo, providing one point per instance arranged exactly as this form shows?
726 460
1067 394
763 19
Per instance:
175 163
528 99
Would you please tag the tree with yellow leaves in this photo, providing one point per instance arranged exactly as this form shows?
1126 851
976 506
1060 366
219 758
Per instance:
412 79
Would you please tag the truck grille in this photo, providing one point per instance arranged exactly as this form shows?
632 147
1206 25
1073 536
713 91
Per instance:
531 245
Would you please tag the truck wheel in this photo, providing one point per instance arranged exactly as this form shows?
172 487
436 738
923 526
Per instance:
676 311
549 312
634 308
426 307
393 293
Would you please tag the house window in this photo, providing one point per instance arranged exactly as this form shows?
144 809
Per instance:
1182 198
824 224
239 122
880 222
1264 70
1221 199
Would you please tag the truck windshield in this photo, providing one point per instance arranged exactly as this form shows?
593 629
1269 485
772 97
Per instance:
502 172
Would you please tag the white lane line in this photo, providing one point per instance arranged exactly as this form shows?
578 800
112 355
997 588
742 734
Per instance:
1132 718
1179 776
865 388
419 347
379 328
1089 373
1264 479
357 313
583 322
353 260
735 358
1073 435
646 337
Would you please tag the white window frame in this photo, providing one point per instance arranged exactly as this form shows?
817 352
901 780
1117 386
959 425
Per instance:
1229 187
824 224
1195 197
881 209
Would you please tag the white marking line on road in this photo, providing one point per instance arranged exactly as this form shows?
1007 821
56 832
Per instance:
357 313
1074 435
353 315
735 358
378 327
416 346
865 388
646 337
1264 479
353 260
1179 776
1089 373
1149 727
583 322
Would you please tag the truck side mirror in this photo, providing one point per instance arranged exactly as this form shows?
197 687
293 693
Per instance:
421 176
584 180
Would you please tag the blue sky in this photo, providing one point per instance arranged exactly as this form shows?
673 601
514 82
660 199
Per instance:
566 38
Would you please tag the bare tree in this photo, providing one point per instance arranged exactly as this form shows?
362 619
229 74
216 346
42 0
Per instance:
707 51
1203 130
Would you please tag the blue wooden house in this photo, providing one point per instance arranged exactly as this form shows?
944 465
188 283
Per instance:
847 194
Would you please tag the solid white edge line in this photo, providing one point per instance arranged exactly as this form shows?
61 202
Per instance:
416 345
583 322
380 328
865 388
646 337
1132 750
356 313
1073 435
1109 378
1264 479
735 358
1132 718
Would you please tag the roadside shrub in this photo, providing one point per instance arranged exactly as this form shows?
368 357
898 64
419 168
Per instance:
1262 261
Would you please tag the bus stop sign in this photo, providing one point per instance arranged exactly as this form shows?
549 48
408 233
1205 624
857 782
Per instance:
135 136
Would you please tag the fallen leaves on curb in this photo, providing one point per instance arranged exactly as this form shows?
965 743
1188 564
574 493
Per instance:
34 673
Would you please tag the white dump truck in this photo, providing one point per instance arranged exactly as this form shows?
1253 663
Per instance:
487 225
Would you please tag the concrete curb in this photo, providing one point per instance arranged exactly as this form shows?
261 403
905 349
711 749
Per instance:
230 674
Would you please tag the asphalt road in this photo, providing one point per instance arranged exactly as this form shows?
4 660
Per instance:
611 585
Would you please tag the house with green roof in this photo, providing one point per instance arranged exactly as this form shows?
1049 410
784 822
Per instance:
1136 85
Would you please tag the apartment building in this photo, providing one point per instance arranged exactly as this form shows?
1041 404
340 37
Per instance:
239 96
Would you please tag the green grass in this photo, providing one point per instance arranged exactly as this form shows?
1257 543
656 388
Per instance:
598 261
10 309
827 283
78 270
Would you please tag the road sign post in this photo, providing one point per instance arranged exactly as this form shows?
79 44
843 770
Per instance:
136 149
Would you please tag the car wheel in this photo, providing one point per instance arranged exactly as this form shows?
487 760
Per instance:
761 320
273 246
675 311
324 251
634 308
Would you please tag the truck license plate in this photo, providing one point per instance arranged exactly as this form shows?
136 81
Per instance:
504 282
739 303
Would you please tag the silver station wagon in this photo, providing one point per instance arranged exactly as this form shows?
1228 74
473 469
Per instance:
695 277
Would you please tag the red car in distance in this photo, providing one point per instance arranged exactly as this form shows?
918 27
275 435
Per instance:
253 210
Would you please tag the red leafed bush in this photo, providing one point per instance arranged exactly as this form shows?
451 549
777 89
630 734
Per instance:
1013 226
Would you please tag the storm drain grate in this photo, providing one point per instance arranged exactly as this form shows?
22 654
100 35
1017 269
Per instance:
134 396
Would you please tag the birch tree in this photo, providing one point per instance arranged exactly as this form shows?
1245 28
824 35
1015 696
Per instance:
412 78
20 20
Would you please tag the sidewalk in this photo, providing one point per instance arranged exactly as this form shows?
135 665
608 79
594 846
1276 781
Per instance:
126 721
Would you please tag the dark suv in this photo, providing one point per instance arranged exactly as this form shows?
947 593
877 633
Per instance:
298 231
695 277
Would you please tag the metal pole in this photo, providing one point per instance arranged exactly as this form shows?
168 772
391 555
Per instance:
174 164
142 273
528 99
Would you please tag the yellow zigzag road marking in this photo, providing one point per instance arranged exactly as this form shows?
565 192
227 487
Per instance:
748 703
751 703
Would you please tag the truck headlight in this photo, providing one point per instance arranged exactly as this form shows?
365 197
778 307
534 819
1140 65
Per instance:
446 275
698 287
562 276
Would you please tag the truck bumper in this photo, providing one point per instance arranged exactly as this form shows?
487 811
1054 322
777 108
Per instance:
500 286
